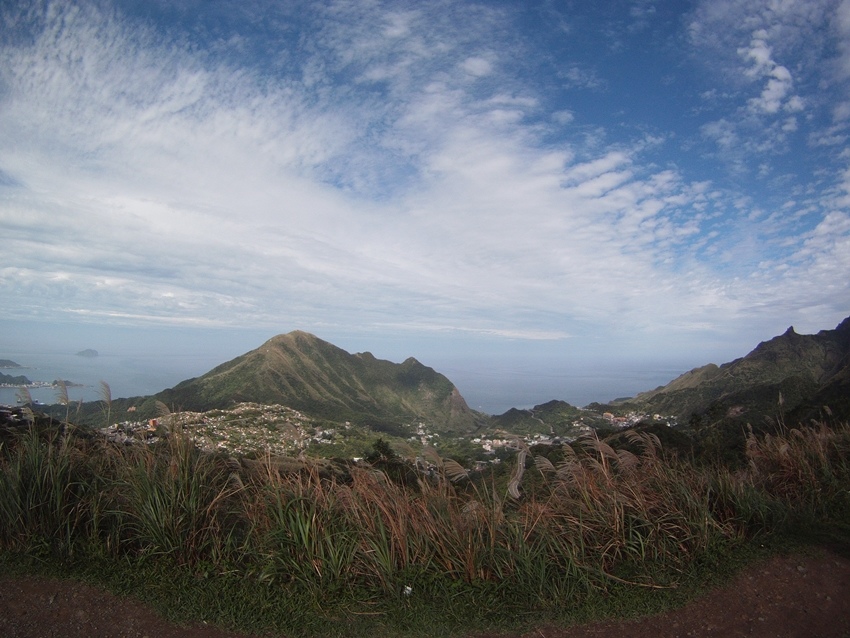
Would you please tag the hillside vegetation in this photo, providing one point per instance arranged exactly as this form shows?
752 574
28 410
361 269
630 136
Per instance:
794 377
808 371
306 373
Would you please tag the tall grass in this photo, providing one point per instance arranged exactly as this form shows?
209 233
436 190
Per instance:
598 517
49 498
174 500
629 514
804 468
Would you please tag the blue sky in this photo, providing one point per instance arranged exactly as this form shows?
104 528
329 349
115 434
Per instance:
541 186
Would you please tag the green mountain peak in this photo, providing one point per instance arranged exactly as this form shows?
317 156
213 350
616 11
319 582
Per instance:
300 370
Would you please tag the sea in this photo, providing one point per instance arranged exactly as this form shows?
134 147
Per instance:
492 389
127 376
497 389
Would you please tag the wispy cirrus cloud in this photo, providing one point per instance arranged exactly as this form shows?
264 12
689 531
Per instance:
376 164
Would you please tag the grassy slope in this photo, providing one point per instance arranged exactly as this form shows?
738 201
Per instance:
308 374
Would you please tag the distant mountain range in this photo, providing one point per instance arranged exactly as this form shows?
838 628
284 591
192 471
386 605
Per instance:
808 372
306 373
303 372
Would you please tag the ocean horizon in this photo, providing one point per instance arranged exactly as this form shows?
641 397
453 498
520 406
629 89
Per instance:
489 389
127 375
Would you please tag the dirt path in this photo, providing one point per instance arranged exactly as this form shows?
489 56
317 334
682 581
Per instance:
806 596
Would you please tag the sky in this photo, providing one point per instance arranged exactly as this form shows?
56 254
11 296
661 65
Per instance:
504 188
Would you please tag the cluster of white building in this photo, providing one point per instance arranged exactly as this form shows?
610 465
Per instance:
249 427
280 430
633 418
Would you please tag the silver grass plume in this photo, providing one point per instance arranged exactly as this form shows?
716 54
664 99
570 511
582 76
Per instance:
106 397
62 397
23 396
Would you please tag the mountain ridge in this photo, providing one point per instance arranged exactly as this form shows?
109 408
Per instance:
807 371
302 371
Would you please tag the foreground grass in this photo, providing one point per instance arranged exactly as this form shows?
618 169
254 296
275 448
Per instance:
238 604
258 547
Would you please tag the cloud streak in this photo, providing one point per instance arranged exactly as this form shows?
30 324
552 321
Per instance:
385 164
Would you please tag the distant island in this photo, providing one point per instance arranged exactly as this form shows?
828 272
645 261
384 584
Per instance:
9 381
8 363
87 353
68 384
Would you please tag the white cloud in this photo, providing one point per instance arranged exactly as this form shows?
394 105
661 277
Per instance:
779 81
841 112
778 68
479 67
760 54
563 117
576 76
374 183
399 24
841 25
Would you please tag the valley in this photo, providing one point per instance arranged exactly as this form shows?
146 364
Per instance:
299 395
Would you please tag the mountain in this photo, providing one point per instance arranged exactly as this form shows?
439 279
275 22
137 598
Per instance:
808 371
303 372
554 418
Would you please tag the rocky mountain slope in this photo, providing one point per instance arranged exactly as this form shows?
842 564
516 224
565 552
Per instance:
306 373
807 371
